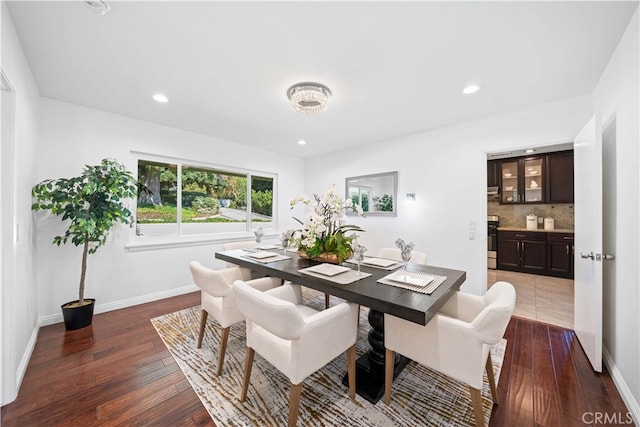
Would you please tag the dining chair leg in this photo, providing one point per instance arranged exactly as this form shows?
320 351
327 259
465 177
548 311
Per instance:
326 300
476 398
248 361
223 348
492 380
203 324
389 357
294 403
351 370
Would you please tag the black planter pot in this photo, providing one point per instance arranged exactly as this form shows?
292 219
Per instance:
78 317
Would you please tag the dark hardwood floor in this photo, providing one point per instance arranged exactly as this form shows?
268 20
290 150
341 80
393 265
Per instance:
118 372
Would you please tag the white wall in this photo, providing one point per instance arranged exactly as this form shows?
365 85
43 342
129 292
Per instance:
72 136
618 95
446 168
19 296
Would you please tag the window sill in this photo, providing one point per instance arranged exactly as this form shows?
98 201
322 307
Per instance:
156 244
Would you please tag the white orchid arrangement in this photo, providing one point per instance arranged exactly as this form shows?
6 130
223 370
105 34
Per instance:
323 230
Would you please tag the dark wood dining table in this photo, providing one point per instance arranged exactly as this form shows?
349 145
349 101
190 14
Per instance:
380 298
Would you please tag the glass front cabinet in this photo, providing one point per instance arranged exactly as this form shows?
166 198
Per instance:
522 180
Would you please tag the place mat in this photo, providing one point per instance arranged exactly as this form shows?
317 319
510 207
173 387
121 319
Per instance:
420 396
262 255
327 269
436 281
269 247
275 258
341 278
373 263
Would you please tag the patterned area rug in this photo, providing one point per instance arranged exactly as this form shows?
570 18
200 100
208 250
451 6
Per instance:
419 396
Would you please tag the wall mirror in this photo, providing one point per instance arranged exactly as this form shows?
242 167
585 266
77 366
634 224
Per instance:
376 193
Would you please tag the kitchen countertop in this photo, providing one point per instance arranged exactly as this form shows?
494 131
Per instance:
557 230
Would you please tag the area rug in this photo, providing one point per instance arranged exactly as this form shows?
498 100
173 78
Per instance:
420 396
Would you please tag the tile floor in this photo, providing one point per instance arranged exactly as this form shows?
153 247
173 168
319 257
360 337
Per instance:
542 298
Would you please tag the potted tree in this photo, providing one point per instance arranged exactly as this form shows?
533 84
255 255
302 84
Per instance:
91 204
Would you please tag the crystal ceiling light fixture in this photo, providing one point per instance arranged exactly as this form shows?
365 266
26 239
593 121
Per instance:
308 97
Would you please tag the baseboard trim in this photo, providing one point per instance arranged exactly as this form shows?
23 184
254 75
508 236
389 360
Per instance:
116 305
621 385
24 362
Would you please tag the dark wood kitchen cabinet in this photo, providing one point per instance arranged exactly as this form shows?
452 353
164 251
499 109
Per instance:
493 173
522 180
560 253
524 251
536 252
546 178
559 174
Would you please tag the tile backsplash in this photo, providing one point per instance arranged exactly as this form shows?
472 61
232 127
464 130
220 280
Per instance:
515 215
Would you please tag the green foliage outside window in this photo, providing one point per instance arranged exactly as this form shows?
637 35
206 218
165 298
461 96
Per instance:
384 203
204 193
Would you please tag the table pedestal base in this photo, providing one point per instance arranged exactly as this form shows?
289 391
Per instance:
370 366
370 379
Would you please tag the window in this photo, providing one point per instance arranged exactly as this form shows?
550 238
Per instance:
214 201
360 196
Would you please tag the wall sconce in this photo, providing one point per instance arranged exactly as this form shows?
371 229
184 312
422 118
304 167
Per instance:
411 197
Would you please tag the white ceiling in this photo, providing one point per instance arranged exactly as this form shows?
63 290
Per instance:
394 68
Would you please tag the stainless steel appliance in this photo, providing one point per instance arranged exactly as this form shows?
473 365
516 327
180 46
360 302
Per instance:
493 221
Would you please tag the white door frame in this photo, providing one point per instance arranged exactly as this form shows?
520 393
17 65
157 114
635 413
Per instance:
8 244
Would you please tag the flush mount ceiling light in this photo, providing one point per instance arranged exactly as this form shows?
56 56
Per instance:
529 151
308 97
472 88
301 142
98 6
158 97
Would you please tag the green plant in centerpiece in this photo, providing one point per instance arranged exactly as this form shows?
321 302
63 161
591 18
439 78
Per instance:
91 204
323 231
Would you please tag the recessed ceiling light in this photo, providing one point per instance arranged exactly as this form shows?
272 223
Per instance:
301 142
98 6
160 98
530 150
472 88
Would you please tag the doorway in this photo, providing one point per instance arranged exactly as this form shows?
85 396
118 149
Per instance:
540 297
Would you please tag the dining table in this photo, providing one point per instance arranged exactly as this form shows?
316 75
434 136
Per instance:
371 288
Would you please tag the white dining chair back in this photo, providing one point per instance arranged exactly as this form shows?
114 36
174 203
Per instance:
246 244
456 341
296 339
396 254
218 299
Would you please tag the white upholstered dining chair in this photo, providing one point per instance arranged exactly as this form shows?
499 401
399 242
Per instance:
456 342
218 299
296 339
396 254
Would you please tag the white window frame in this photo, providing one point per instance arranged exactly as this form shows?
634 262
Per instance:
140 243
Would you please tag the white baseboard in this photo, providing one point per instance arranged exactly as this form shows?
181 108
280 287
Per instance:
621 385
116 305
24 361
